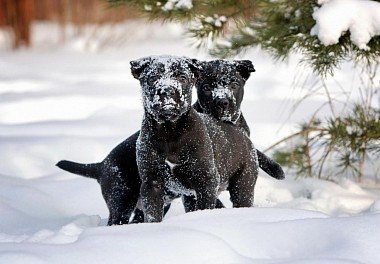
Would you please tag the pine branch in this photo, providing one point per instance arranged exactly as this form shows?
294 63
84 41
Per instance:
280 27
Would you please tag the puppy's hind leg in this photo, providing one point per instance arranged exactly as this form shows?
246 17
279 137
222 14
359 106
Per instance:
190 202
138 216
120 210
219 204
121 202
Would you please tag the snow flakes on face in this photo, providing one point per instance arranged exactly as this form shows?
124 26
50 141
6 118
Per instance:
221 88
230 113
223 92
166 83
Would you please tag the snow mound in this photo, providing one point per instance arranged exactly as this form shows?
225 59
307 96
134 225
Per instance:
250 235
334 17
335 199
68 233
375 207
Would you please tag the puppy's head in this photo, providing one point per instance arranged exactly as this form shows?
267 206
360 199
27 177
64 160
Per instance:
220 87
166 83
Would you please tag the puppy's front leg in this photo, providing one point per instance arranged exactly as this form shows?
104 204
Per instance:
205 197
152 197
242 185
152 171
206 180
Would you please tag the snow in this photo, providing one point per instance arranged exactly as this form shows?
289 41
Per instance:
360 17
148 7
177 4
262 235
184 4
69 103
216 20
161 66
223 92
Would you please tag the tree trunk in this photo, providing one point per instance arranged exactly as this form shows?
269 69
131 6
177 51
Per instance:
18 14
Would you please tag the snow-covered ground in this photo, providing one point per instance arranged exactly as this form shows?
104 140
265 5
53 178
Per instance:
64 102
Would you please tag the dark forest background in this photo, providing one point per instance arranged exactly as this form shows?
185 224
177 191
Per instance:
17 16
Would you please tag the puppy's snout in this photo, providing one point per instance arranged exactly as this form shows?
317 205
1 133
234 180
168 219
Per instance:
166 92
222 103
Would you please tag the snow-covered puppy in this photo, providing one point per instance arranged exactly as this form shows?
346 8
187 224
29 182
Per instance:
182 152
220 92
117 174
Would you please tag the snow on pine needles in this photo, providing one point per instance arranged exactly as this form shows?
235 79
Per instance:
335 17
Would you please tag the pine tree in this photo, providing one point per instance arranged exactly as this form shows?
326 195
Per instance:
283 27
280 27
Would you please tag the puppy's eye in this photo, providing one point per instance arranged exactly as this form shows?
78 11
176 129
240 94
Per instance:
152 79
182 78
234 85
206 87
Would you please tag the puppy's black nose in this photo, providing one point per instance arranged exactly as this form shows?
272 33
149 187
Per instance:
166 92
222 103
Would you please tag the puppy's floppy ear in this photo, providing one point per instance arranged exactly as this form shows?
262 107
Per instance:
196 66
244 67
138 66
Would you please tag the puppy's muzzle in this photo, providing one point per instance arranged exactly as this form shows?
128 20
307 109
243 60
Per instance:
222 104
169 114
168 107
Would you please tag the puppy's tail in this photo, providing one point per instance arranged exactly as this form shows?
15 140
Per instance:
271 167
91 170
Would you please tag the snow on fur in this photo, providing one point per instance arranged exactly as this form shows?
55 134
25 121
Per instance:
163 66
224 92
335 17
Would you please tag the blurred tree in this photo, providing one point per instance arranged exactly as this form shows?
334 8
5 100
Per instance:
18 14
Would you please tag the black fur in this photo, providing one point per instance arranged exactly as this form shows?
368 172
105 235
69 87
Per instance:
116 185
230 76
92 170
182 152
118 177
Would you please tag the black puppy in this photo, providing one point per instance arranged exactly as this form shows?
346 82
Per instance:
220 91
117 174
204 155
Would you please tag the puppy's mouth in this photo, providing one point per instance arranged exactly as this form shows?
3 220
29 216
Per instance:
168 112
171 116
226 115
169 107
